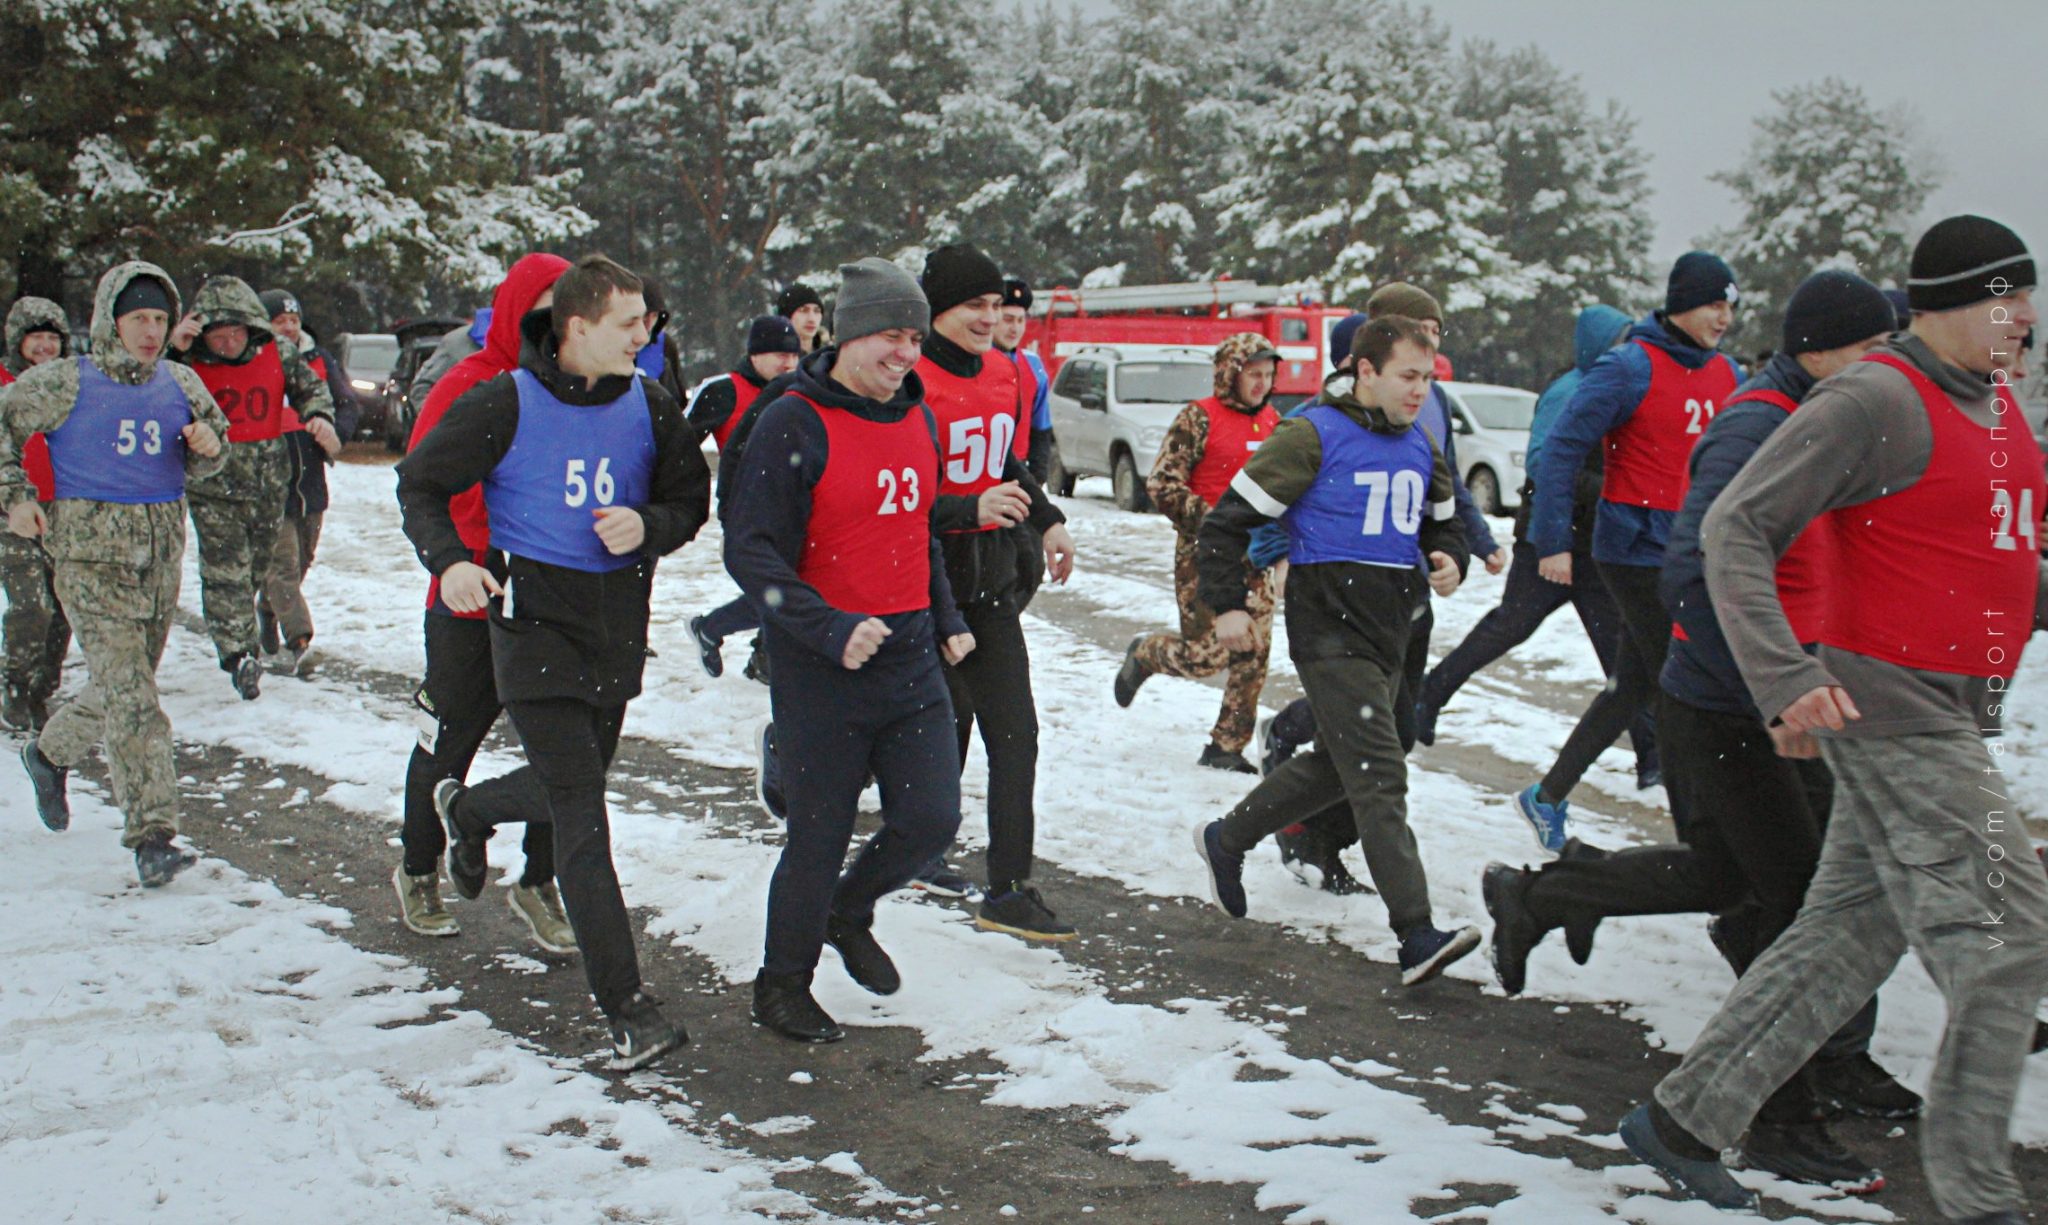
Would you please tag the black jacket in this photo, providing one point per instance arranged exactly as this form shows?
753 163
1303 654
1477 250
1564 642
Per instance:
770 511
573 633
718 400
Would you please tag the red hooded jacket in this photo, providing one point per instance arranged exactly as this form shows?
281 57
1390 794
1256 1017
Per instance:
527 280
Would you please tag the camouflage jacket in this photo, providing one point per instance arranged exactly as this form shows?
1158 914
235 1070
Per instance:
41 400
253 471
31 312
1186 439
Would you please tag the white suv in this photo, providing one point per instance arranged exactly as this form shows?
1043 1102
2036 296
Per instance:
1110 409
1492 424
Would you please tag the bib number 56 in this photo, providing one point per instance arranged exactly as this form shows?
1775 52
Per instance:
577 490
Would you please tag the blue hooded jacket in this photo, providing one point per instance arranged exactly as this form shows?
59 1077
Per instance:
480 327
1599 329
1606 397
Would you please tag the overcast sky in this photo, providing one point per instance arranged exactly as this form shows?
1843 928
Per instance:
1696 74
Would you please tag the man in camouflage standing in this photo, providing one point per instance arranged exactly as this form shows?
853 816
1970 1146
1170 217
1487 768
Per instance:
251 373
36 632
125 430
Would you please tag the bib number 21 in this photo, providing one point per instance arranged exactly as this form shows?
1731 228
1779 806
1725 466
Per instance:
578 490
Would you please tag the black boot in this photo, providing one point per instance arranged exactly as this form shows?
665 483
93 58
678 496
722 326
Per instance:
47 777
783 1003
641 1035
866 961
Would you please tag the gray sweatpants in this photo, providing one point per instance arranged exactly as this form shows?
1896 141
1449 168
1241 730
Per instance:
1922 852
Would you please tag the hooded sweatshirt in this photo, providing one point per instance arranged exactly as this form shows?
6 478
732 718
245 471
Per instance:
1599 329
523 285
134 535
252 469
27 315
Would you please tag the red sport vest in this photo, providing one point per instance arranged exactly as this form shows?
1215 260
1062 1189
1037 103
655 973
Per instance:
1027 404
1647 454
250 394
744 390
1806 569
979 420
1941 576
289 423
867 546
35 457
1233 436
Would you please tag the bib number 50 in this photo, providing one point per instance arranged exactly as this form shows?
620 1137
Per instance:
577 490
971 452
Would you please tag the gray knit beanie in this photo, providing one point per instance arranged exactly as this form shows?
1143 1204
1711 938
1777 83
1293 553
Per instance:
874 296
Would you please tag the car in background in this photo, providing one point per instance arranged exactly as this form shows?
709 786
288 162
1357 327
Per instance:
367 359
1111 405
1492 427
417 340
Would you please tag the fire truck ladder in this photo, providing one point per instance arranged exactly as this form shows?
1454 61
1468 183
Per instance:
1213 296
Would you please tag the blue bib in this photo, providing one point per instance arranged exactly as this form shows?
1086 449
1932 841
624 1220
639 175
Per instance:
1369 499
122 443
566 461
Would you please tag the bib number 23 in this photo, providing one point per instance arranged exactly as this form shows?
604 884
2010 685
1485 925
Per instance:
578 490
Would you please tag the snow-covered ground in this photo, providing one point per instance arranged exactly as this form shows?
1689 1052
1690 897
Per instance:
217 1051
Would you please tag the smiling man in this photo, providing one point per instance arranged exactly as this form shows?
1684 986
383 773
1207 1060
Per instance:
37 635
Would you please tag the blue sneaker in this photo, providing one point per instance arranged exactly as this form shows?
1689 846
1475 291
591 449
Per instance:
1552 822
1693 1179
1425 951
1226 870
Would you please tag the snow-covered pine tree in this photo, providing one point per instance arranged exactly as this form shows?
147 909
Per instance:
1830 180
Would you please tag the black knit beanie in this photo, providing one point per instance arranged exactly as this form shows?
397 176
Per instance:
956 273
1699 277
773 334
1832 309
1017 292
1964 260
795 298
143 293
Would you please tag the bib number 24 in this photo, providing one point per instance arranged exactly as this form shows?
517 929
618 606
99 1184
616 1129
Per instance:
578 490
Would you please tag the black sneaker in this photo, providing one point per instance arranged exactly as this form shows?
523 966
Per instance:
1020 911
247 674
1337 878
1425 724
1515 931
708 652
1694 1178
768 775
468 862
1131 675
1294 851
1271 750
783 1003
1857 1084
47 777
1426 951
1216 757
757 671
641 1035
1579 928
867 962
1226 870
157 861
1648 774
1808 1153
15 709
939 880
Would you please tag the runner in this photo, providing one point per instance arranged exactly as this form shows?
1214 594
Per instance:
805 311
284 624
1036 450
37 635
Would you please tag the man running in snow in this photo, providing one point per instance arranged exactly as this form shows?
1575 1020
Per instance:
589 475
125 430
37 635
1037 449
1204 449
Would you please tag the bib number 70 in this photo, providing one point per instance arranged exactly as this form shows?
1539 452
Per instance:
1404 489
578 490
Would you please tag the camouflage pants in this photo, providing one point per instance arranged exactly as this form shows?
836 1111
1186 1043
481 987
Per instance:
290 558
122 615
1920 853
236 542
36 632
1196 652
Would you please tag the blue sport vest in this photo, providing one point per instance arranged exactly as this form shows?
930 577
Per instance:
566 461
1368 501
122 443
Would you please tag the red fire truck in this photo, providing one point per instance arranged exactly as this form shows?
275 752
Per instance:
1198 314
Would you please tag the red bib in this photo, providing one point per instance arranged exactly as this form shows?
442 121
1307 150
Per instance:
1806 569
744 390
1647 454
978 423
35 457
1233 436
290 423
1941 576
867 546
251 394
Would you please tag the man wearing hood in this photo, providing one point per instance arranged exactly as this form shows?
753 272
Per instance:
115 532
457 700
834 534
1208 442
590 474
284 624
1646 403
258 379
37 635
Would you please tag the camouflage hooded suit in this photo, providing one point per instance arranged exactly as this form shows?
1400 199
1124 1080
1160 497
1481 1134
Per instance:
37 635
236 512
117 570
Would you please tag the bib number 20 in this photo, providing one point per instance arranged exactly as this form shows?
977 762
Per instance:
577 490
1403 489
151 441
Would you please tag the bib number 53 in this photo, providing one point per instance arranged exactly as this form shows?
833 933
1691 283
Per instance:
577 490
151 442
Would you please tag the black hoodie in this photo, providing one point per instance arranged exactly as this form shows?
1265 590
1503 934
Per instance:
575 633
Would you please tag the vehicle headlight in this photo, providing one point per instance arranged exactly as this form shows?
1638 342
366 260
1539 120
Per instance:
1518 458
1152 438
362 385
